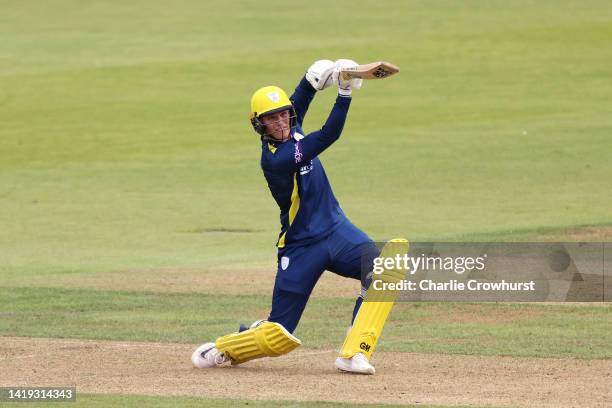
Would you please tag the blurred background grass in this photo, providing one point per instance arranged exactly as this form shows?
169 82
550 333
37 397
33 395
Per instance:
125 140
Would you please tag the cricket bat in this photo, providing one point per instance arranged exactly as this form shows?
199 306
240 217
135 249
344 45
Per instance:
373 70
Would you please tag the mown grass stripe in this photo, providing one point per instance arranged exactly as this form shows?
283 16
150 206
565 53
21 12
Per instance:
487 329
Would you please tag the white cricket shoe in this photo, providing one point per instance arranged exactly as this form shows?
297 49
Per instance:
357 364
207 356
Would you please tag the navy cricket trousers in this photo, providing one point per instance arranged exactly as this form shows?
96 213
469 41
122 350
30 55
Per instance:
348 252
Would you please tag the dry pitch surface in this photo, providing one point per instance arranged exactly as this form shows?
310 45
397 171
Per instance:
165 369
304 375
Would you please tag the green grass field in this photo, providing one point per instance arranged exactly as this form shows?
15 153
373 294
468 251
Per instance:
103 401
500 329
125 146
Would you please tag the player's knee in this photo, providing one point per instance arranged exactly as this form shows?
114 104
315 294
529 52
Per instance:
288 324
369 253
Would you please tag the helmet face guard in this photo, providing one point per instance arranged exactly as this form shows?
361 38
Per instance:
266 101
260 127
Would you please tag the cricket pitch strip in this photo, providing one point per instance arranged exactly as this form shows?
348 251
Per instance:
111 367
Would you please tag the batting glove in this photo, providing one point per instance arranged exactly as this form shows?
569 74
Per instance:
345 86
320 74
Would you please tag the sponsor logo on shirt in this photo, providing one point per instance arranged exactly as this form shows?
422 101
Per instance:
298 153
306 169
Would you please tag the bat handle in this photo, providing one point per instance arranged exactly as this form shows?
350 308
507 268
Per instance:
345 75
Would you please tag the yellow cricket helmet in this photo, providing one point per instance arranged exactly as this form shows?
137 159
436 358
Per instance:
267 100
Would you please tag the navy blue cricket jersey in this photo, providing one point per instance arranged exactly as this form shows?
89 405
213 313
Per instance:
295 175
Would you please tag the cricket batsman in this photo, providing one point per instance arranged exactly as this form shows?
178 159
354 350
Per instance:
315 234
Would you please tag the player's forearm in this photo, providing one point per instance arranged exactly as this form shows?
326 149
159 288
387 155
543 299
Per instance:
316 142
332 129
301 98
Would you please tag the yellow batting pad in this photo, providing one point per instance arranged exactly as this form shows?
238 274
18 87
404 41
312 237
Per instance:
376 306
268 339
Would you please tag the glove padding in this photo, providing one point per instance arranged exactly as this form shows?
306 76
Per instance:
345 86
320 74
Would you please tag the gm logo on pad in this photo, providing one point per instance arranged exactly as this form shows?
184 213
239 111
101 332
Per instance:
364 346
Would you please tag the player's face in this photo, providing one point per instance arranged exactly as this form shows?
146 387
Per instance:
277 125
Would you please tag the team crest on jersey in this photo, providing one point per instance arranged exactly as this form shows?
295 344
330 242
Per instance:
284 262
